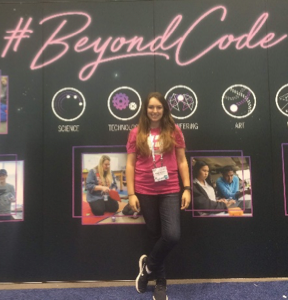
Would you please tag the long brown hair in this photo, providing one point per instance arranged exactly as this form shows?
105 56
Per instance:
167 127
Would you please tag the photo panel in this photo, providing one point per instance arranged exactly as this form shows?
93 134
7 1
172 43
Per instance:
99 186
285 173
4 99
11 188
221 185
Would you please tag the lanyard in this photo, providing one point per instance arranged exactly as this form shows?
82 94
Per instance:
153 151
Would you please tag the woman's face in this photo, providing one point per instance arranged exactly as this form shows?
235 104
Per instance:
106 165
3 80
203 173
155 110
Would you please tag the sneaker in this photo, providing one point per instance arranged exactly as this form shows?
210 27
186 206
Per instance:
135 215
160 290
142 278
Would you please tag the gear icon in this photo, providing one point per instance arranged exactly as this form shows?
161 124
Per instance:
120 101
132 106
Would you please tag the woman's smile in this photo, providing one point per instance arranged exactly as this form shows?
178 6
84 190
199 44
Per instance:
154 111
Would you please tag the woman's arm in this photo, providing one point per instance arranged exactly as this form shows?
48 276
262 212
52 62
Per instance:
184 174
202 201
130 175
92 183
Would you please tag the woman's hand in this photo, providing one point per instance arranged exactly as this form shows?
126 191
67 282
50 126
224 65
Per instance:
134 203
105 189
223 200
186 199
230 202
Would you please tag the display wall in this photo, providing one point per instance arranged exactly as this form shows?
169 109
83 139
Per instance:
73 78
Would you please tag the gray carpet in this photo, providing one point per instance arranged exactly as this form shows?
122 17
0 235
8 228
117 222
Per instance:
204 291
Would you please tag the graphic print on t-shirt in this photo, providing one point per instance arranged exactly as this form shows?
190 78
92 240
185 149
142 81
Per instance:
156 143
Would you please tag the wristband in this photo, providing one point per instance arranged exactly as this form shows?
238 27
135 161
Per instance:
187 188
131 195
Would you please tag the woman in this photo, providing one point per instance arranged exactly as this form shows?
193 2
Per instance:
156 151
203 193
99 181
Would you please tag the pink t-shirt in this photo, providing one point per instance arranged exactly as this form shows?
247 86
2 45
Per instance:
144 180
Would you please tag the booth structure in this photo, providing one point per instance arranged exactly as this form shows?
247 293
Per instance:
73 78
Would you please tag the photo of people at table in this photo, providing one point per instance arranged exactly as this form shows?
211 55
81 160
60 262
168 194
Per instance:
285 174
11 191
221 186
3 104
104 191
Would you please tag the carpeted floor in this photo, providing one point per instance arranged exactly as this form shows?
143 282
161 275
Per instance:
267 290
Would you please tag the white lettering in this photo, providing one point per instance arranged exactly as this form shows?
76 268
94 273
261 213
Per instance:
68 128
121 127
239 125
184 126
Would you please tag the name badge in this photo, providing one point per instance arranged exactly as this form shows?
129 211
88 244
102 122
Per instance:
160 174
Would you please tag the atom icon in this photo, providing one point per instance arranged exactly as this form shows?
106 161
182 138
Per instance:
120 101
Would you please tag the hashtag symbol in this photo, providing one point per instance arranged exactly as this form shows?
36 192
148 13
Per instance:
17 35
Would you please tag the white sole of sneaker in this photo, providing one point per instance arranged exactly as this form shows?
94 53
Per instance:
140 271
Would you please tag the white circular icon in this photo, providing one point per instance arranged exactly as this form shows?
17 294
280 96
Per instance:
238 101
182 101
124 103
282 100
68 104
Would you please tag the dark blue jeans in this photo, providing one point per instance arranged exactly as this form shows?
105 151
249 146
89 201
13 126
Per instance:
162 217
